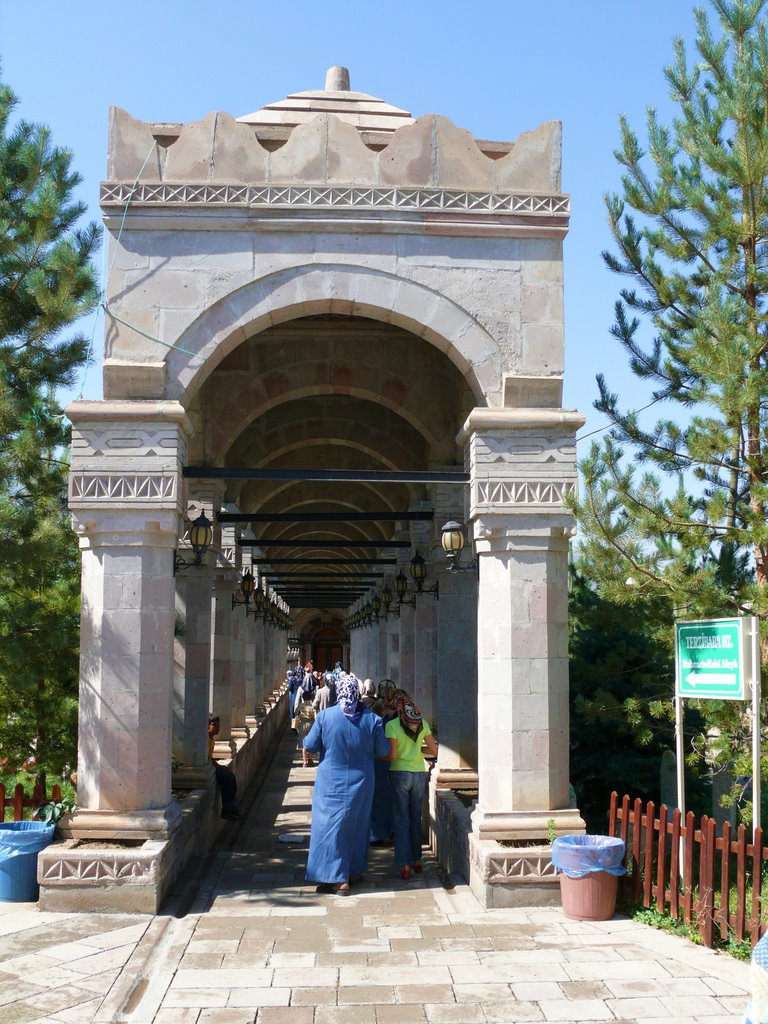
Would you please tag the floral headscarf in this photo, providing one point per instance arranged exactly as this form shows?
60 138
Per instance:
348 696
410 715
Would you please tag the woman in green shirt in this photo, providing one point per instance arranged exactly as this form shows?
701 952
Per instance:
408 776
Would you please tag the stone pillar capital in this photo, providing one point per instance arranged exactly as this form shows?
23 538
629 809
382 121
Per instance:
522 462
501 533
126 527
127 457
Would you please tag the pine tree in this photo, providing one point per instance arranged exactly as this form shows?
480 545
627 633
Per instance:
690 228
622 720
47 281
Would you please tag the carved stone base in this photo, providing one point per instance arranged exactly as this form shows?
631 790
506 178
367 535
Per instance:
455 778
528 826
192 776
148 824
224 750
507 876
128 881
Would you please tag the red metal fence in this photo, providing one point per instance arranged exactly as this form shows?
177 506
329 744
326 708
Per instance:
19 800
689 870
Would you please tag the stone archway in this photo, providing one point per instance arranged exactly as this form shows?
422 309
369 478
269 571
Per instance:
380 299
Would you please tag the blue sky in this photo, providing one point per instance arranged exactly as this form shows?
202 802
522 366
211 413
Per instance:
495 68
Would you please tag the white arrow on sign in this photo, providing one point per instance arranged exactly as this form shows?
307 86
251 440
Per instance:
711 678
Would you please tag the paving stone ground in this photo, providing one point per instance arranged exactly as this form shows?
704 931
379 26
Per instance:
247 940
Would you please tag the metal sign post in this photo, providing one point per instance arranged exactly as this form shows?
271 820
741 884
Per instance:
755 636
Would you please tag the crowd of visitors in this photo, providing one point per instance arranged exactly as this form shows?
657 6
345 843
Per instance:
371 774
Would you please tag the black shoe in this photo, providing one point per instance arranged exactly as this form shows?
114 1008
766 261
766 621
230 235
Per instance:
231 816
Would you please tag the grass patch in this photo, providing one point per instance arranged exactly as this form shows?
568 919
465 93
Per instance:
664 922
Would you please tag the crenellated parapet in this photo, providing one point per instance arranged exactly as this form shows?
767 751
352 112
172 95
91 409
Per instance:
430 152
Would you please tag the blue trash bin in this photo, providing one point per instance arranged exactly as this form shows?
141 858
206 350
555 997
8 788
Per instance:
20 843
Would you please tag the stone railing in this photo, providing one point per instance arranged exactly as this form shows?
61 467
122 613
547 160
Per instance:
77 875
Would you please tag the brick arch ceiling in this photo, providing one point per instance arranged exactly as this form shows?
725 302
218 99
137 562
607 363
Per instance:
315 360
334 392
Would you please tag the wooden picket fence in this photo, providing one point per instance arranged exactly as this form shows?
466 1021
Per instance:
688 870
19 800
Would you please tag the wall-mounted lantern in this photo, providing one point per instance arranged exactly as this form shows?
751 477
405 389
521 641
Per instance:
452 540
200 538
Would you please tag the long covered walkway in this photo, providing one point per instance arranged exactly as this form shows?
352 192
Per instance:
246 939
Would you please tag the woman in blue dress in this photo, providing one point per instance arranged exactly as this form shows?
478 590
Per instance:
348 737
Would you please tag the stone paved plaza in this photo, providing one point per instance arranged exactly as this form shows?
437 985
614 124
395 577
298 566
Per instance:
248 940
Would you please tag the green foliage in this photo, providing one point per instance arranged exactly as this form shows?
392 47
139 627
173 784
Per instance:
665 922
622 684
689 228
651 917
52 812
47 282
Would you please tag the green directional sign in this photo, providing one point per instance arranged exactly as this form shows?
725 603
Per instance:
713 659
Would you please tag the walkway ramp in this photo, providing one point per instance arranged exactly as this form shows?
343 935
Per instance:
247 939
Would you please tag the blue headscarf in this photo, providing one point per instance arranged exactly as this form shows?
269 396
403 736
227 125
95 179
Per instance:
348 697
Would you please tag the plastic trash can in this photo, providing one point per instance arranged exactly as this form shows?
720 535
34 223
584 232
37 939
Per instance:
589 867
20 843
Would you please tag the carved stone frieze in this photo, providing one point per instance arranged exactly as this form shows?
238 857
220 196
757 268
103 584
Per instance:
499 493
525 448
522 468
107 489
298 196
128 455
498 864
115 440
101 866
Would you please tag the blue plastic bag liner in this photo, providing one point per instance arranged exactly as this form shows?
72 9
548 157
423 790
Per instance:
578 856
20 843
20 837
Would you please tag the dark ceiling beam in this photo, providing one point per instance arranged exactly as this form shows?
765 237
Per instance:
324 561
317 587
322 604
383 476
323 517
352 577
245 542
321 590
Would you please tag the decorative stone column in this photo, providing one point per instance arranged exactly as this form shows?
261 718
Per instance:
391 630
424 657
126 497
237 675
221 658
381 644
457 681
192 661
407 650
456 690
249 651
259 663
422 618
232 555
522 464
